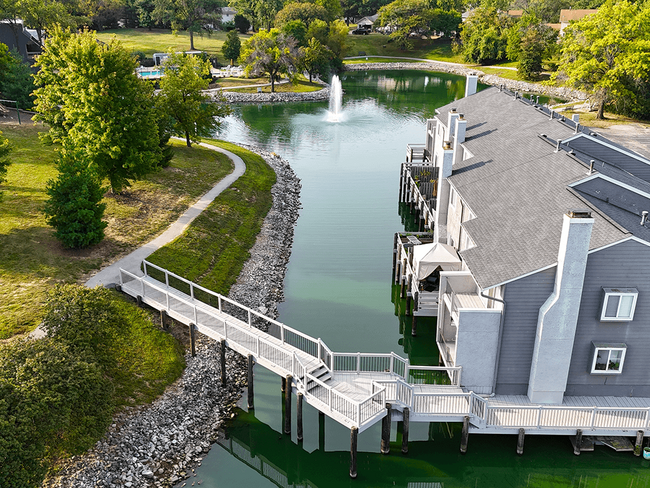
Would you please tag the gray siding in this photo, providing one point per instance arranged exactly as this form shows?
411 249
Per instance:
523 298
598 151
622 265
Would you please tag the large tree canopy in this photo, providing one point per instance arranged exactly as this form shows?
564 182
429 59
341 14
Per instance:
484 35
608 53
193 16
270 52
181 97
92 100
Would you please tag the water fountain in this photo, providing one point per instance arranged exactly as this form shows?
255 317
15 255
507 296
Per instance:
336 96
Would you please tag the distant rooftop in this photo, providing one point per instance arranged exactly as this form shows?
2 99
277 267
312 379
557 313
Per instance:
567 15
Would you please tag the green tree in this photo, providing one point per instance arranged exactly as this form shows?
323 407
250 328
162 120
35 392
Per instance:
193 113
42 15
231 46
296 29
271 53
484 36
319 30
16 80
606 52
445 21
406 18
74 206
315 58
337 38
306 12
92 100
194 16
529 42
242 24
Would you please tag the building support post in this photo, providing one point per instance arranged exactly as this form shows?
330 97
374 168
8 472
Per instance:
287 405
223 362
321 431
638 445
408 305
394 255
576 449
385 431
251 392
163 319
520 441
284 385
193 340
299 432
354 433
405 431
464 436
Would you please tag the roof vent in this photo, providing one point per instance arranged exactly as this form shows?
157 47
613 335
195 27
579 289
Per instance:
446 145
591 166
461 116
644 217
453 110
579 213
557 146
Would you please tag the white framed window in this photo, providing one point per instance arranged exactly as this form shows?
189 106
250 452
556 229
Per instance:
619 304
468 241
453 197
608 358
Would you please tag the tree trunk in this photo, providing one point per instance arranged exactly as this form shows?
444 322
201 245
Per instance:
310 77
191 40
187 139
600 115
272 84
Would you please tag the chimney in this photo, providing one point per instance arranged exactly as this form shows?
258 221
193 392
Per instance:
445 164
451 123
471 85
558 316
459 137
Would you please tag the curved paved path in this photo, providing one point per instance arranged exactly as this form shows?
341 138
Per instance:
131 262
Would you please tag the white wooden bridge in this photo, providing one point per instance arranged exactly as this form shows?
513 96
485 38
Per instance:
355 388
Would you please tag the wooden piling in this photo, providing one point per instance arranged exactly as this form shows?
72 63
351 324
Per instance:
321 431
638 445
287 405
251 393
401 183
193 339
520 441
354 433
223 361
395 237
405 430
576 449
284 385
464 436
414 326
402 278
138 300
299 433
408 305
398 272
385 431
163 319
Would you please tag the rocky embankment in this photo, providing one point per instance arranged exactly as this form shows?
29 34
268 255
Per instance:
239 97
514 85
160 444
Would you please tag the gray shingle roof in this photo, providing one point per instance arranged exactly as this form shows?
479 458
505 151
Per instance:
516 185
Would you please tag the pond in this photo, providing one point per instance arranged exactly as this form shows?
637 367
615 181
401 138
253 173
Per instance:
338 288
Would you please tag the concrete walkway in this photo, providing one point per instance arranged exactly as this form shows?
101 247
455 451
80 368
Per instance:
132 262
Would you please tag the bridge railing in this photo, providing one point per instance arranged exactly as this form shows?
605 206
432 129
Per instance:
286 334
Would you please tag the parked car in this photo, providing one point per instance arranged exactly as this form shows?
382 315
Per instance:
359 31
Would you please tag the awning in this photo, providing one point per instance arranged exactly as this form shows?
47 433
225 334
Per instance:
427 257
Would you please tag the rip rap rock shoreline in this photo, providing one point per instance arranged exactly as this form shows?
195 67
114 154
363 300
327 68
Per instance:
159 445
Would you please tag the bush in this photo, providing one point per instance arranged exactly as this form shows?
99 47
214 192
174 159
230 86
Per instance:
140 56
16 81
74 208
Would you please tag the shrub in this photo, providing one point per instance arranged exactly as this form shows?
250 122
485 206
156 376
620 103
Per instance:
74 208
242 24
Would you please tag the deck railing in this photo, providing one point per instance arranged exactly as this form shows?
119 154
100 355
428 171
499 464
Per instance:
401 385
417 152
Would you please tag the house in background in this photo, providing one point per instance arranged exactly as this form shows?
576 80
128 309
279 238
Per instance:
367 22
549 219
228 14
18 38
568 15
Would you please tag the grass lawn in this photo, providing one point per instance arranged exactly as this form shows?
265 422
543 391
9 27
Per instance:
162 40
379 59
215 246
300 86
32 259
378 45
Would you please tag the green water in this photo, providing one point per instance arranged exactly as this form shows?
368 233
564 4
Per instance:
338 288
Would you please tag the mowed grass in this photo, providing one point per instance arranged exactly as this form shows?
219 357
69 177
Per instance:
31 259
379 59
301 86
379 45
164 40
216 245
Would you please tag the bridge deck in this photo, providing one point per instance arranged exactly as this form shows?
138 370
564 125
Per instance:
353 388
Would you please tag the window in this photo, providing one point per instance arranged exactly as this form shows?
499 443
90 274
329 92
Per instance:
468 241
619 304
608 358
452 197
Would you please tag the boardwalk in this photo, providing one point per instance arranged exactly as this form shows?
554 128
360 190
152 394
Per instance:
354 388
